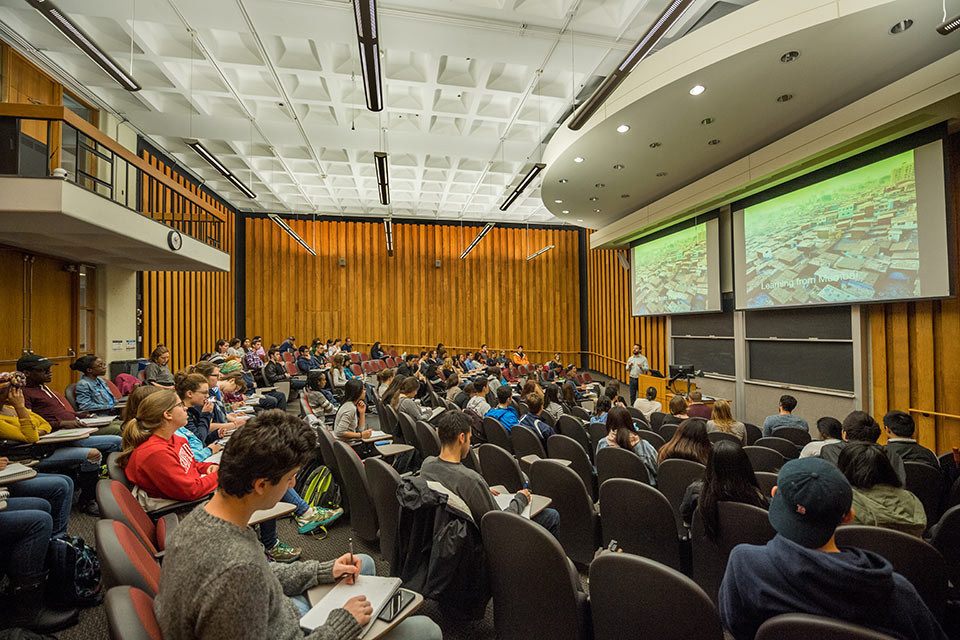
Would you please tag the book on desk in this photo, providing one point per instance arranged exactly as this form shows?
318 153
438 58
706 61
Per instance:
377 590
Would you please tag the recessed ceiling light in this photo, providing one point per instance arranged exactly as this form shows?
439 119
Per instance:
579 219
594 198
617 167
559 201
661 174
706 121
623 128
654 145
565 211
787 97
596 210
578 159
562 181
599 185
789 56
624 195
713 142
697 89
901 26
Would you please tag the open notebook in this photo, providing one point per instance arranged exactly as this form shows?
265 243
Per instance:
503 501
378 591
96 421
16 471
67 433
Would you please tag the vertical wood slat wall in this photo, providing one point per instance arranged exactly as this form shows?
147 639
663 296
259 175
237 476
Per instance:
915 352
186 310
494 296
613 329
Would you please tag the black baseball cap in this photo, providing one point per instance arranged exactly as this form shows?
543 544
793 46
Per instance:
30 361
811 500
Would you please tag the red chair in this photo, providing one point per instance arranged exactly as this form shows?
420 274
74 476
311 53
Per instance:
364 356
130 615
367 367
124 559
391 362
378 365
117 503
292 369
305 408
70 393
394 353
113 389
355 368
288 356
587 378
579 378
354 357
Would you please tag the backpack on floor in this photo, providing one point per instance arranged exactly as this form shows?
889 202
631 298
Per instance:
74 572
303 476
320 489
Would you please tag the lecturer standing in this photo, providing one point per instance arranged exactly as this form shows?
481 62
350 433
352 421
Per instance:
636 365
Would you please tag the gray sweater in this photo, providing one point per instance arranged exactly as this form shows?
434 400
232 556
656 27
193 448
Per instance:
217 585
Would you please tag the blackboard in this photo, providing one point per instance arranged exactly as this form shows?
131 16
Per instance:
828 365
702 324
828 323
712 355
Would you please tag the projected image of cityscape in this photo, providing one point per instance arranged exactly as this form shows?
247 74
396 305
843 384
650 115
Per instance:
852 237
670 273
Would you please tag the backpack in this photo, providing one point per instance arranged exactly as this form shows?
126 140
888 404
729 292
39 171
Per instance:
74 572
320 490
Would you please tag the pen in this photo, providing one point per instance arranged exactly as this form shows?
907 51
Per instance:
351 552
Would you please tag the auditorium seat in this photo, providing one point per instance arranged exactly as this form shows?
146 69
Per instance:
130 614
123 558
782 446
363 515
925 482
614 462
673 478
117 503
579 531
427 438
797 436
653 438
383 481
572 428
754 433
499 467
496 434
526 442
640 519
717 436
764 459
564 448
801 626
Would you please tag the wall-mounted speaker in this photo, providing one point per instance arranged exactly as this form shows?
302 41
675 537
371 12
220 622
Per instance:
437 264
343 262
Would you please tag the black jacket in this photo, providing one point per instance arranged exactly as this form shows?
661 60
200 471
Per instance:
439 550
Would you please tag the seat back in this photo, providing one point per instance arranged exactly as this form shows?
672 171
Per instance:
383 481
640 519
579 412
673 478
560 446
916 560
579 531
667 431
117 503
534 593
946 540
123 558
325 442
549 419
363 515
767 482
115 471
802 626
305 408
781 445
636 414
499 467
597 432
495 433
427 438
796 435
656 420
408 429
925 482
389 421
764 458
526 442
653 438
717 436
571 427
472 461
754 433
130 615
71 393
113 389
652 593
614 462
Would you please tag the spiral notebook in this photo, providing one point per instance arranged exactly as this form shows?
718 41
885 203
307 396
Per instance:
376 589
16 471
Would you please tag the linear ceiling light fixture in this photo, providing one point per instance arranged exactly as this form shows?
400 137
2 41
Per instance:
293 234
949 26
544 250
85 43
202 151
477 240
383 177
674 11
388 232
534 170
365 12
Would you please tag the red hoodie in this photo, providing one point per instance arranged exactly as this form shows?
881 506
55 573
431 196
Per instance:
167 469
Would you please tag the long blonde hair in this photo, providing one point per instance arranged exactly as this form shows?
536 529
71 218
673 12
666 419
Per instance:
721 416
152 406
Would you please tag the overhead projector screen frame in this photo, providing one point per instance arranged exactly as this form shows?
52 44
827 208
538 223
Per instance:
934 225
710 222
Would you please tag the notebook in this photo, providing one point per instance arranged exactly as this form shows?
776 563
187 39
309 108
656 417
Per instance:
378 591
503 501
16 471
436 411
67 433
215 458
376 433
95 421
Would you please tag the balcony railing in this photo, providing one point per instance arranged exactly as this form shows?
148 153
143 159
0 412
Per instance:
36 139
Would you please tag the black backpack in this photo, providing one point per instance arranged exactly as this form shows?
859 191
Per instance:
74 572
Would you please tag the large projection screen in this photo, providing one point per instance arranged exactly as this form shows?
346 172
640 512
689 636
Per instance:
677 272
876 233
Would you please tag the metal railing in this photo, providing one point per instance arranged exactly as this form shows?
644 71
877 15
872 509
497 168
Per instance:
36 139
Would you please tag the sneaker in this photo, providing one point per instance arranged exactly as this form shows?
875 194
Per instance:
309 521
329 515
283 553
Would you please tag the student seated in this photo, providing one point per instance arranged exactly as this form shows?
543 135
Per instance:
531 419
600 410
519 358
648 404
49 404
351 416
158 371
504 413
336 370
612 391
728 477
493 379
621 433
478 398
721 419
36 511
305 361
879 499
92 393
276 371
784 418
384 378
451 387
193 391
551 401
803 571
900 429
831 432
409 366
221 422
319 398
214 553
376 352
696 408
403 400
678 410
690 442
859 426
453 430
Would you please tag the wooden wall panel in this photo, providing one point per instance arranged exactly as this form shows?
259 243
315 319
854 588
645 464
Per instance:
914 351
613 330
186 310
494 295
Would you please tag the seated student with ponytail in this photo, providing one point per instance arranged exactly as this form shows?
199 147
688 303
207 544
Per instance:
622 434
351 416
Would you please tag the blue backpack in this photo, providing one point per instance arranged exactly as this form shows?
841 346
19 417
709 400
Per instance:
74 572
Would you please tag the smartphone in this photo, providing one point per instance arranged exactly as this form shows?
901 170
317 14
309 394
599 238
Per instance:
395 605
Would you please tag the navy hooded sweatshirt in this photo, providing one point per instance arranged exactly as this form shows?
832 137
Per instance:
854 585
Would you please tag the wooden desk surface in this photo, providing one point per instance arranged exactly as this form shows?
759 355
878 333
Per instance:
278 511
379 628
